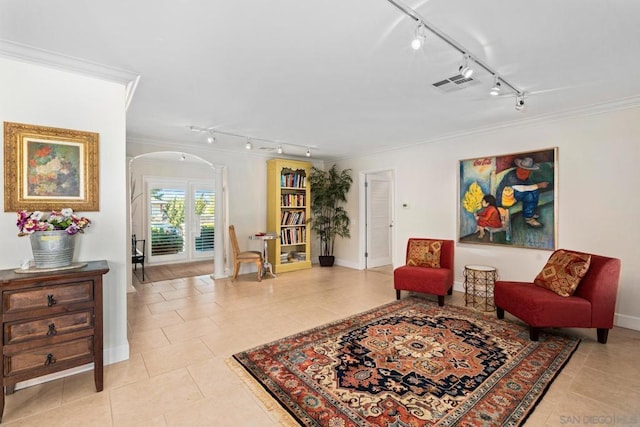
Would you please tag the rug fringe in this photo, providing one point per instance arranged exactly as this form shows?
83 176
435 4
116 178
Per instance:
271 405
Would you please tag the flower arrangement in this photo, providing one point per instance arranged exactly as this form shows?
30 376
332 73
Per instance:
30 222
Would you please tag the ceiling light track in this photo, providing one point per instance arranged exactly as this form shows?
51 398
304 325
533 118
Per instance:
249 140
454 44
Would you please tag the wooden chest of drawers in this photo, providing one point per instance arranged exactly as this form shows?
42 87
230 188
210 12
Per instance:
51 321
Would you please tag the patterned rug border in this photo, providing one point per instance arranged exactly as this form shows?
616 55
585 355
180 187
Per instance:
522 412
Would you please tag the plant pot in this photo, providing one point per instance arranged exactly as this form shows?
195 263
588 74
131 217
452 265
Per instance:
326 260
52 249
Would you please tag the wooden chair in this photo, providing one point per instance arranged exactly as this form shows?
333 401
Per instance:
138 250
246 256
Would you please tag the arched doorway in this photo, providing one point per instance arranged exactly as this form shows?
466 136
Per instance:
176 205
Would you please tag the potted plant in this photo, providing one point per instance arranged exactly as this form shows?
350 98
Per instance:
328 219
52 235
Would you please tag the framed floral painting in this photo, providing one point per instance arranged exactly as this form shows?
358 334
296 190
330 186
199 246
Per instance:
510 200
48 168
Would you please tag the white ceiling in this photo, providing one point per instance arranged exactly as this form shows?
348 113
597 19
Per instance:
339 75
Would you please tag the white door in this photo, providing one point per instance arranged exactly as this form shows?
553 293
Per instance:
166 226
180 220
202 229
379 220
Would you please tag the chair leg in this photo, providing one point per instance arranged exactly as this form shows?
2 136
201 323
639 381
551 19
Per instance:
397 293
450 291
236 269
500 312
259 264
603 333
441 300
142 271
533 333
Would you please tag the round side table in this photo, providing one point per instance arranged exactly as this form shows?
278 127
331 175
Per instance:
478 286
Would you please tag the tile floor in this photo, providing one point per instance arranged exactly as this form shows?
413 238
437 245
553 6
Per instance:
182 331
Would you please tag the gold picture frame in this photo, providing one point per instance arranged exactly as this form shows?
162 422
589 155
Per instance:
47 168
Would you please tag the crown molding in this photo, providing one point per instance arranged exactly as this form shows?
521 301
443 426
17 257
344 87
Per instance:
587 110
26 53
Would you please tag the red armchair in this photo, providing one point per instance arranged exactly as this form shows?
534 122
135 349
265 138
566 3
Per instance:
418 276
591 306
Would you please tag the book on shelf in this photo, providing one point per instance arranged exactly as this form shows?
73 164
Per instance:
292 218
292 236
293 180
292 200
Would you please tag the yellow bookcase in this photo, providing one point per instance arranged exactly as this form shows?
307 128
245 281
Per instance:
288 209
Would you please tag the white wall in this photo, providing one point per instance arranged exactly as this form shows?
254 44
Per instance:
599 172
44 96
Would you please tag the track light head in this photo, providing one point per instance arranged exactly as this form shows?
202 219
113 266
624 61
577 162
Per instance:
465 69
211 138
308 153
419 37
183 157
248 145
519 102
279 150
497 86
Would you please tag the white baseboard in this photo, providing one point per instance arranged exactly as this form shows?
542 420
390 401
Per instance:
116 354
458 286
626 321
348 264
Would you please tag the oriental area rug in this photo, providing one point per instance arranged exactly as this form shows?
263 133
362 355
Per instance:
410 363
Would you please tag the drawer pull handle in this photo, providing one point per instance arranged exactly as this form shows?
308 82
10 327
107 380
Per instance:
51 300
50 360
52 330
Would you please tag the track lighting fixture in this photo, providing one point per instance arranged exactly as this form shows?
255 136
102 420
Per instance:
419 37
249 141
469 59
465 69
519 102
183 157
497 86
211 138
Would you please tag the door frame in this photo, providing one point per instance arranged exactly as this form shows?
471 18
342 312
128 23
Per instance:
362 228
219 173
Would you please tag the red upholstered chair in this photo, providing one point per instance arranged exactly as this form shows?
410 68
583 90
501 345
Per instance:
429 280
591 306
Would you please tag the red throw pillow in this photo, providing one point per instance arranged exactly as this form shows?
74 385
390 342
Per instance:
424 253
563 272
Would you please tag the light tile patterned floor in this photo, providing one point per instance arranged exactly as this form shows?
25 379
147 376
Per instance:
182 331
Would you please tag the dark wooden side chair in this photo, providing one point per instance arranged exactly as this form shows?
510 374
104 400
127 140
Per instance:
138 250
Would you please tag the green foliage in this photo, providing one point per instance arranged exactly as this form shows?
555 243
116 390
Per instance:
175 212
201 204
206 240
328 191
166 241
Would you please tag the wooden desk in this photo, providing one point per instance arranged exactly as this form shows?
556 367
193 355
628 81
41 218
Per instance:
51 321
